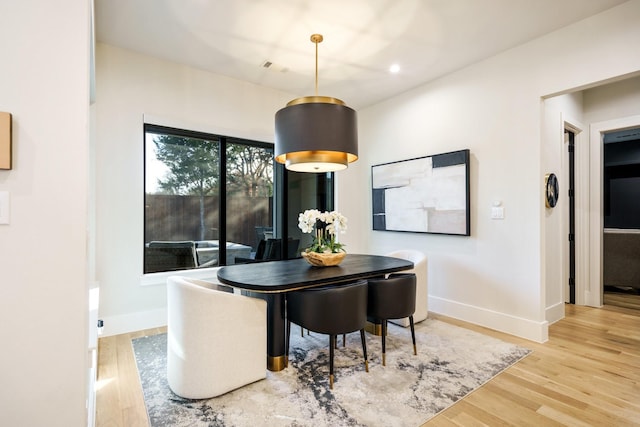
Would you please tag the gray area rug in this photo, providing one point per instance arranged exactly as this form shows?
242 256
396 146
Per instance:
451 363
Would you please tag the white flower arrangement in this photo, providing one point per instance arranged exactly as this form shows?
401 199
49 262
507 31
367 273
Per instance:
324 226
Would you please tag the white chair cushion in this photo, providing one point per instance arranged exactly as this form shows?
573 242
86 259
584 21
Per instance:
216 341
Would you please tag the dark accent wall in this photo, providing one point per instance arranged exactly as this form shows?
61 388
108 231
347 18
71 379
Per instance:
622 185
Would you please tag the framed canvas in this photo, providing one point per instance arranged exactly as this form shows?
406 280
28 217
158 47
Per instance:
424 195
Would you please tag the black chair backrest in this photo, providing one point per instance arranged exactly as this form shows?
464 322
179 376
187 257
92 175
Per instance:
260 233
273 249
292 248
260 250
393 297
330 309
267 250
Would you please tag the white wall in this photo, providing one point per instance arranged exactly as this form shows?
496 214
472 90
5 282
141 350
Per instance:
612 101
43 284
131 86
497 276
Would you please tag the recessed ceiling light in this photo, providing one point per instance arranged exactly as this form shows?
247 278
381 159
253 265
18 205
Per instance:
395 68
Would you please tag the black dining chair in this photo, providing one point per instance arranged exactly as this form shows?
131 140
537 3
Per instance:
393 297
331 310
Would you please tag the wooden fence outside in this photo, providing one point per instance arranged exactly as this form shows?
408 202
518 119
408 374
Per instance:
174 217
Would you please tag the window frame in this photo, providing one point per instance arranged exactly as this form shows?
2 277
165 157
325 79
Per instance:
223 141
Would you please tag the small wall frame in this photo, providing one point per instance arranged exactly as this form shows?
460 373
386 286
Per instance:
5 140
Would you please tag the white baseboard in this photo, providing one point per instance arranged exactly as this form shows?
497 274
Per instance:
524 328
554 313
125 323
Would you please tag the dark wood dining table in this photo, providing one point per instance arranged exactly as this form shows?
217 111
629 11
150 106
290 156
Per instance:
273 279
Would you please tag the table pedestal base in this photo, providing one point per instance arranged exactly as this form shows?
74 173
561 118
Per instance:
276 357
276 363
373 328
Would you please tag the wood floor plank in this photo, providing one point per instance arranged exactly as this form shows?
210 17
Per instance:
587 374
130 396
108 409
493 401
478 414
561 418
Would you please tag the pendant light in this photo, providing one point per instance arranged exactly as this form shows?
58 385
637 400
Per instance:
316 133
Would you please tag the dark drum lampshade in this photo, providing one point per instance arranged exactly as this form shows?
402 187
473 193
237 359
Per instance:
316 133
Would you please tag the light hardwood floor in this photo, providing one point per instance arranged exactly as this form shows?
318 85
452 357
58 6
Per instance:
587 374
622 300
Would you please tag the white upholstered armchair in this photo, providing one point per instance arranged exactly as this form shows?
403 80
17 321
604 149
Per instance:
419 260
216 340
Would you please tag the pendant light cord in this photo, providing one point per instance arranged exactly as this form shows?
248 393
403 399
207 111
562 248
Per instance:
316 38
316 68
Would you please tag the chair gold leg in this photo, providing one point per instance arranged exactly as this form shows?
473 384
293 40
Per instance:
384 345
331 381
413 335
366 366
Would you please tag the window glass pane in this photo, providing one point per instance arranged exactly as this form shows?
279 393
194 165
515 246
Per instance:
181 201
249 202
305 191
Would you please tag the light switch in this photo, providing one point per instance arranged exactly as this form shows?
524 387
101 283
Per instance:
4 207
497 212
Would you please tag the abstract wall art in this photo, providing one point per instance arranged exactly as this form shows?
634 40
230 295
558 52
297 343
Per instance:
425 195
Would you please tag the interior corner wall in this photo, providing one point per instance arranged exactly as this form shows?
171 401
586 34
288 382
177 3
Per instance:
132 88
43 255
496 277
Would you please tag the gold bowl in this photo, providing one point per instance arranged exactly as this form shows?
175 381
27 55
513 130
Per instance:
323 259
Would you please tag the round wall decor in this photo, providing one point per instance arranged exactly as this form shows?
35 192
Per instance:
551 190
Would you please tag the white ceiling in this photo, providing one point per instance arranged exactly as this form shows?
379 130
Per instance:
362 38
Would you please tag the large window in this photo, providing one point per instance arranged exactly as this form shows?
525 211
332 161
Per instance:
200 190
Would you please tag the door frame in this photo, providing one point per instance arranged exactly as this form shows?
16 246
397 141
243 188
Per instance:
570 234
581 197
593 293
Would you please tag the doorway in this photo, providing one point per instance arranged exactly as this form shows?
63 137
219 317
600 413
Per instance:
596 178
621 212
